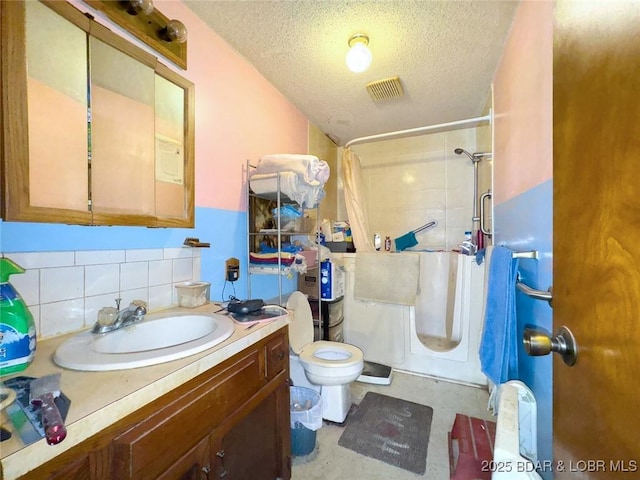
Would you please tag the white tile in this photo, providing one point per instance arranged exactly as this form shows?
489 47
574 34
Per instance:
196 273
58 284
28 286
460 198
129 296
97 257
160 272
160 296
101 279
182 269
134 275
61 317
459 217
92 306
144 254
43 259
35 313
178 252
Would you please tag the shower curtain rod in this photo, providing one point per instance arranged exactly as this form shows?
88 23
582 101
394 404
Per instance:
417 130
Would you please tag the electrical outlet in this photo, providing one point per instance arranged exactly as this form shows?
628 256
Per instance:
232 269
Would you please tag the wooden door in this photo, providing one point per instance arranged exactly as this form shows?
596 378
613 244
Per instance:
596 177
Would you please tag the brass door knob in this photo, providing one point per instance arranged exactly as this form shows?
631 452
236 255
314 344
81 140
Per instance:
538 343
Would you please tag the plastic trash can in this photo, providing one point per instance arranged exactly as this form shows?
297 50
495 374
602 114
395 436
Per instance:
306 418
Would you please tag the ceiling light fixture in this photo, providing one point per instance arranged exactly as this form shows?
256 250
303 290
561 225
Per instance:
142 6
175 31
359 56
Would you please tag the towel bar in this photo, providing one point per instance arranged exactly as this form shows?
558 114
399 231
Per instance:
533 293
531 254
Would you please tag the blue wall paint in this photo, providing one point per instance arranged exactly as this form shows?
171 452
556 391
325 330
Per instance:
226 231
526 223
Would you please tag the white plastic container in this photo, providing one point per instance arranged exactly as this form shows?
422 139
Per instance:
193 294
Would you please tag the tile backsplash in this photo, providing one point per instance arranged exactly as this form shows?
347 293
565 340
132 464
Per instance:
65 290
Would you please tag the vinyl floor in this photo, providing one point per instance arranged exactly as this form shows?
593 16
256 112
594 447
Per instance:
329 461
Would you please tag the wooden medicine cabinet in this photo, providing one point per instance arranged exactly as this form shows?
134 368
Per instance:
95 130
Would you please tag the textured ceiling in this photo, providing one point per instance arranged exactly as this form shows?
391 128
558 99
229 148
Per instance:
445 53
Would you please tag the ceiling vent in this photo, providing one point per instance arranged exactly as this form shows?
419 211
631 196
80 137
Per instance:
385 89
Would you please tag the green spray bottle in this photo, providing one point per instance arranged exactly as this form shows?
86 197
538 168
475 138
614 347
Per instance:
17 330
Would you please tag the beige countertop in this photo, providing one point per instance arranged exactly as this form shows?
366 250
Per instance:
99 399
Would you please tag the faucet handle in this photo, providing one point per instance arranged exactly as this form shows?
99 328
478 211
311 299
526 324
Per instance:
118 300
139 303
107 316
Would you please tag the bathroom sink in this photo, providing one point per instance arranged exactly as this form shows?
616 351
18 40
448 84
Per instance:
157 339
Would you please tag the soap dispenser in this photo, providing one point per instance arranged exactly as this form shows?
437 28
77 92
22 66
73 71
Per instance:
17 329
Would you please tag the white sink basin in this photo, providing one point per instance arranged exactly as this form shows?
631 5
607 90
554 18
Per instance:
157 339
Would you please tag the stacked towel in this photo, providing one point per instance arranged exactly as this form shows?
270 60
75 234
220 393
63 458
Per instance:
305 195
309 168
301 177
499 343
272 258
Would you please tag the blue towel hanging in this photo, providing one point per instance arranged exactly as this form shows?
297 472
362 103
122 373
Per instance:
499 343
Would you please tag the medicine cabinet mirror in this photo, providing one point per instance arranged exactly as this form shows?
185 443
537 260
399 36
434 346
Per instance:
95 130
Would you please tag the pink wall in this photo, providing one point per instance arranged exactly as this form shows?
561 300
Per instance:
239 114
523 107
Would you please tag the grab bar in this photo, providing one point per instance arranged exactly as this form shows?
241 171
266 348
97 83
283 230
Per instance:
533 293
526 289
483 197
432 223
531 254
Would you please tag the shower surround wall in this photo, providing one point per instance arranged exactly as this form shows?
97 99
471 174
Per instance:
410 181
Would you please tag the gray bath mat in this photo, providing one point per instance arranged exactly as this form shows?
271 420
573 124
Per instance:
391 430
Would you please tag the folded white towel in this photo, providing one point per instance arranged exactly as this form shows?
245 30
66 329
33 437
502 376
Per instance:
310 168
307 196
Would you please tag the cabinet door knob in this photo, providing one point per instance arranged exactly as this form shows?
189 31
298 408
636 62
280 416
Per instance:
281 355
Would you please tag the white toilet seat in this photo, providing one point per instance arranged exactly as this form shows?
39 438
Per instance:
325 363
331 363
331 354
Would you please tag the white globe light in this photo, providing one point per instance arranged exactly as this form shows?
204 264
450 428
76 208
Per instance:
359 57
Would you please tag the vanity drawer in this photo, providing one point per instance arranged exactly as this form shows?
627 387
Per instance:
277 355
146 450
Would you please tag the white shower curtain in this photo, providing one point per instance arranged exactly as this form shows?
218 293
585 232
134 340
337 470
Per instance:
355 202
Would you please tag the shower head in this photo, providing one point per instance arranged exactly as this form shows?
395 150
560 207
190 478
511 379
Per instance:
460 151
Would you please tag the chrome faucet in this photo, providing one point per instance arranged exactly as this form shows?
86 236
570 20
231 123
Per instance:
110 319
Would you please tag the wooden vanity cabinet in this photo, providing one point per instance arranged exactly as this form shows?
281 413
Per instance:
231 422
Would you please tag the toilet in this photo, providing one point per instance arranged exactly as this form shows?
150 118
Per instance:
327 367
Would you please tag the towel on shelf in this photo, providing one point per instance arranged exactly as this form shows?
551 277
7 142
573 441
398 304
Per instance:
271 259
499 342
309 168
307 196
387 277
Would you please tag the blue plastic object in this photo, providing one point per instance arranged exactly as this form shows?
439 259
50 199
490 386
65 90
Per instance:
303 440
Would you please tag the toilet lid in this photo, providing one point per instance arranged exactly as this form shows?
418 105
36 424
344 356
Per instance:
300 322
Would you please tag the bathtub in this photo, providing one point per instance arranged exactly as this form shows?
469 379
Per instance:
437 337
